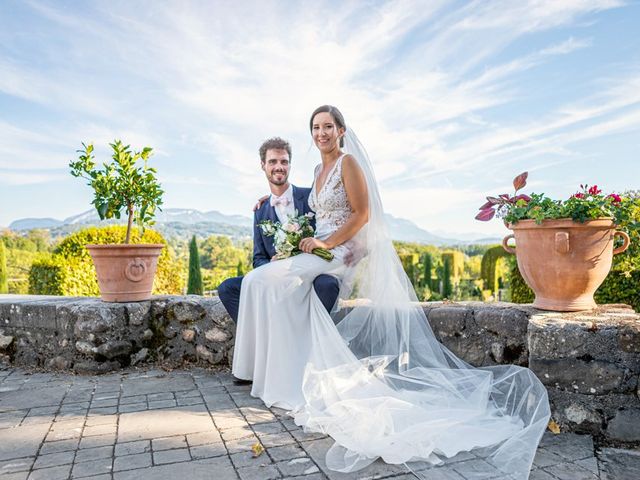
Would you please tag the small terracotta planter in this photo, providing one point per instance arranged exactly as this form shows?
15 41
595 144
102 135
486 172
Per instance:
564 262
125 272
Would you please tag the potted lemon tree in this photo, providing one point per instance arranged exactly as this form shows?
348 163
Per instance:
564 248
126 184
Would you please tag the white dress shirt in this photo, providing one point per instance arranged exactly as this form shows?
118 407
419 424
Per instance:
283 211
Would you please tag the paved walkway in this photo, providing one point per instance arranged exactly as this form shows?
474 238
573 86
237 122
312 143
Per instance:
194 424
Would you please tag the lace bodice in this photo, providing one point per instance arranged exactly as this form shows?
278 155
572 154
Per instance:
331 204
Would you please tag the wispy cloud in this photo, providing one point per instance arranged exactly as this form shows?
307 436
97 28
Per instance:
434 89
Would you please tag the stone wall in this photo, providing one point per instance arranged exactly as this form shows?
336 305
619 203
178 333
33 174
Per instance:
87 335
589 361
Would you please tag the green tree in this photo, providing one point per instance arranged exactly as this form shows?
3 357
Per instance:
194 284
121 184
427 266
447 286
4 286
240 269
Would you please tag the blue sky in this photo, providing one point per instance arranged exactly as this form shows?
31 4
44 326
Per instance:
451 99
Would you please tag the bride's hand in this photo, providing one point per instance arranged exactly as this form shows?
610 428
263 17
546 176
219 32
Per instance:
261 200
308 244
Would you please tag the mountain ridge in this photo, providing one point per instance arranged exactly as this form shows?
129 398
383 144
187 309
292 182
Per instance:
185 222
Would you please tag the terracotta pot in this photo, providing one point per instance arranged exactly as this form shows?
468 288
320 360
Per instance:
564 262
125 272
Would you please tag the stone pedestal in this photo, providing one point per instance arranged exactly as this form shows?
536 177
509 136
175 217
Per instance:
590 364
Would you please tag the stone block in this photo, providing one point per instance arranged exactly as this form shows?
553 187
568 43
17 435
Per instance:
218 335
114 348
5 341
188 335
98 318
185 311
589 377
138 313
625 426
95 368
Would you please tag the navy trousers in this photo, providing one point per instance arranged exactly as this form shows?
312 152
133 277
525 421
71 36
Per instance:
326 286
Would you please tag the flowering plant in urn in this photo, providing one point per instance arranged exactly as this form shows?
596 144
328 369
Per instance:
564 248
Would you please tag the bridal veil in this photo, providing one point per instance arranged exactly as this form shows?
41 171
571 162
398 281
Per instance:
396 392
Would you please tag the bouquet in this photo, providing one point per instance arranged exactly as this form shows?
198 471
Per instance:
287 236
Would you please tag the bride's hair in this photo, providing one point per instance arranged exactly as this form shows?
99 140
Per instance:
335 114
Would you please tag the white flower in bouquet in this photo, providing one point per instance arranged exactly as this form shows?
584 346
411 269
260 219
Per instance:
286 238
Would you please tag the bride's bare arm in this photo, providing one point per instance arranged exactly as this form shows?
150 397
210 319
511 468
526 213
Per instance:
356 188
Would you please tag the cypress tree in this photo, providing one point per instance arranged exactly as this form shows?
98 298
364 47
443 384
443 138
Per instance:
4 287
194 284
447 287
240 269
427 266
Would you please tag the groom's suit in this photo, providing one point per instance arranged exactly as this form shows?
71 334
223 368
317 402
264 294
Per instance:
326 286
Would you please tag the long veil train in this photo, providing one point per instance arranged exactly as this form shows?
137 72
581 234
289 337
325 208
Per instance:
397 393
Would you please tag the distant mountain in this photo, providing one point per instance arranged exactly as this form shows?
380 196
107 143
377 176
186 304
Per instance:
406 231
31 223
183 223
172 222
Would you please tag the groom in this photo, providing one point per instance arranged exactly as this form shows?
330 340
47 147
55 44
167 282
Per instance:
275 157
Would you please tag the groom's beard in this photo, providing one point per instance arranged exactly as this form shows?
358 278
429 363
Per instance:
284 178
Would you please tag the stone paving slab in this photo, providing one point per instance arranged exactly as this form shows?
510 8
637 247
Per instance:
196 424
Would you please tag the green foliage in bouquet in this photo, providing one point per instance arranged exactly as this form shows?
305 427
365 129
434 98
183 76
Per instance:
121 184
69 269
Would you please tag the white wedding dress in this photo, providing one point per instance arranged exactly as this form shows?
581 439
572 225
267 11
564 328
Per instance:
379 383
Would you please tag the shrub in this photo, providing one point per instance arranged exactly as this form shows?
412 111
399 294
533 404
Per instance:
4 286
489 268
70 271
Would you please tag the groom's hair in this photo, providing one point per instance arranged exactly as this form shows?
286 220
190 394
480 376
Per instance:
275 143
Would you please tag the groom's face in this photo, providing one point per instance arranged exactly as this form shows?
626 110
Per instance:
276 166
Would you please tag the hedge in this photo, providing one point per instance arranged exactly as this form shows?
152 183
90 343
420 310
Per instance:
489 266
69 269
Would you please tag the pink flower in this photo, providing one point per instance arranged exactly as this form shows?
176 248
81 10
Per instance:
594 190
577 195
292 227
616 197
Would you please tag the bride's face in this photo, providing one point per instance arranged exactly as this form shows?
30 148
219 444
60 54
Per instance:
326 134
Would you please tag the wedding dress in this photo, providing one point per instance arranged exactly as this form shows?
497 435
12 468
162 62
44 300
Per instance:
379 383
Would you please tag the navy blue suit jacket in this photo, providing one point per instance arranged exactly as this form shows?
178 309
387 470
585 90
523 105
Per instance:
263 248
326 286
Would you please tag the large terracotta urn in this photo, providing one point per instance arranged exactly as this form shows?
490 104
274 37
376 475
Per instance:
563 261
125 272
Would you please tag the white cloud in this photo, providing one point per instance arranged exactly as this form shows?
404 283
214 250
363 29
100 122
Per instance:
205 83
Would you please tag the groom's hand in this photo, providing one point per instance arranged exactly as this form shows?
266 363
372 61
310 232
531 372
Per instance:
261 200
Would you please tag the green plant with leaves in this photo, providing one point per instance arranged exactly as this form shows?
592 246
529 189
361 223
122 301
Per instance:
4 285
194 284
122 184
589 203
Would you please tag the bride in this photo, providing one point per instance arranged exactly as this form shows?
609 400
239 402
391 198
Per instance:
379 383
